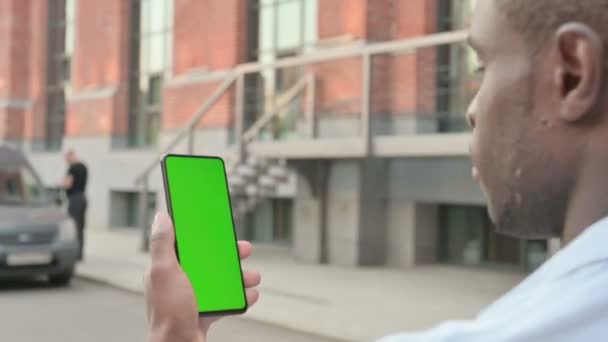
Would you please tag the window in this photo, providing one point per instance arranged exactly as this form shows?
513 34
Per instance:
277 29
125 206
271 222
19 186
456 82
467 237
284 26
150 61
61 15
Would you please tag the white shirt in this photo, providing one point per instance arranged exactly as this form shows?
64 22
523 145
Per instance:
564 300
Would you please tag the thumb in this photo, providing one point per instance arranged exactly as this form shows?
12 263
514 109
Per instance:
162 239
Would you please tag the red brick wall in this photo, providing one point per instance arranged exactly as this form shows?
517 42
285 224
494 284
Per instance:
208 34
395 79
189 40
403 83
35 118
183 102
339 86
11 123
14 71
339 17
100 63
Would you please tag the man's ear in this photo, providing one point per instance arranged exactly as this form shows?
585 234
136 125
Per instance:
579 71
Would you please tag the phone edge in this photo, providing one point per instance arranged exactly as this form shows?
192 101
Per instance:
163 161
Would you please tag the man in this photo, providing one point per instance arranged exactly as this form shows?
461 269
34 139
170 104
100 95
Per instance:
540 150
75 183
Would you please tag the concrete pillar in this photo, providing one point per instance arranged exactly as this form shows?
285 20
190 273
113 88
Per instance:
356 213
344 191
553 246
373 201
309 212
426 233
412 234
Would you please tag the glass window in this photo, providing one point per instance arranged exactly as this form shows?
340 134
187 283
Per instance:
285 25
271 222
283 28
155 90
151 30
456 63
289 20
60 34
468 237
125 207
19 186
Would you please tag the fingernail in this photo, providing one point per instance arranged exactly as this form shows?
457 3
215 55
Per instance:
160 223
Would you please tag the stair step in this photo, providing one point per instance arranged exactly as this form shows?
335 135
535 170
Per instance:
236 181
246 171
267 182
257 162
278 172
256 190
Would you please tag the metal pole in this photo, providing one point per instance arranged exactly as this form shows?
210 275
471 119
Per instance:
239 112
310 107
143 216
191 141
366 103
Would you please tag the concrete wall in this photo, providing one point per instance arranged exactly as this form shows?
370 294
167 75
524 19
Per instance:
373 215
116 169
356 212
433 180
416 187
377 212
108 170
350 126
309 212
343 213
412 234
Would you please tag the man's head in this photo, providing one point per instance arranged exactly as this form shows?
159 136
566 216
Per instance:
539 106
70 156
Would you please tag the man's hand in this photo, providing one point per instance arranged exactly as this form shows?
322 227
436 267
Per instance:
67 182
172 310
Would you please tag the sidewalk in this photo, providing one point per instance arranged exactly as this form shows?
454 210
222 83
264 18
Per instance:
351 304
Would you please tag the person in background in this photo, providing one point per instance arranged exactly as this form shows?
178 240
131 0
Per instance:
540 154
74 184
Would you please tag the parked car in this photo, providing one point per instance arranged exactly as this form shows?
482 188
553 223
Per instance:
36 236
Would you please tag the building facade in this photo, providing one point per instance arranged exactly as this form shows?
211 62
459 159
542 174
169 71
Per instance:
361 102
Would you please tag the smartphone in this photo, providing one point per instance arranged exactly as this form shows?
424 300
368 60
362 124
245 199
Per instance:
196 189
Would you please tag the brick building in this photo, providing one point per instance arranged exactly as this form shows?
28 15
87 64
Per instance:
359 103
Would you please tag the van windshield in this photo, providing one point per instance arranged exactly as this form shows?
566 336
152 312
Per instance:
19 186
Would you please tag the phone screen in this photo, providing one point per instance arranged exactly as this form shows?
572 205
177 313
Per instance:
199 203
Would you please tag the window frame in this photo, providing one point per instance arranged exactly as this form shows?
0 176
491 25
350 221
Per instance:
143 118
58 77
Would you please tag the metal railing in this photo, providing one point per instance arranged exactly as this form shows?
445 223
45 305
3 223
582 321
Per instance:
309 63
236 154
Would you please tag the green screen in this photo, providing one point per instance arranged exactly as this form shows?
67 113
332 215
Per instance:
206 242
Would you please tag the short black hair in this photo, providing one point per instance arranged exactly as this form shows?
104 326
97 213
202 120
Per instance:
538 20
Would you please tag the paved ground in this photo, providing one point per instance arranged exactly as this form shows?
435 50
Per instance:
326 300
31 311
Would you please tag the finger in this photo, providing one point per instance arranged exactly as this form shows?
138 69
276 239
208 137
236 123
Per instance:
245 249
252 296
252 278
162 240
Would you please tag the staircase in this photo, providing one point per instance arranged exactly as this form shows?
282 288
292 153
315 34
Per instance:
250 179
253 180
